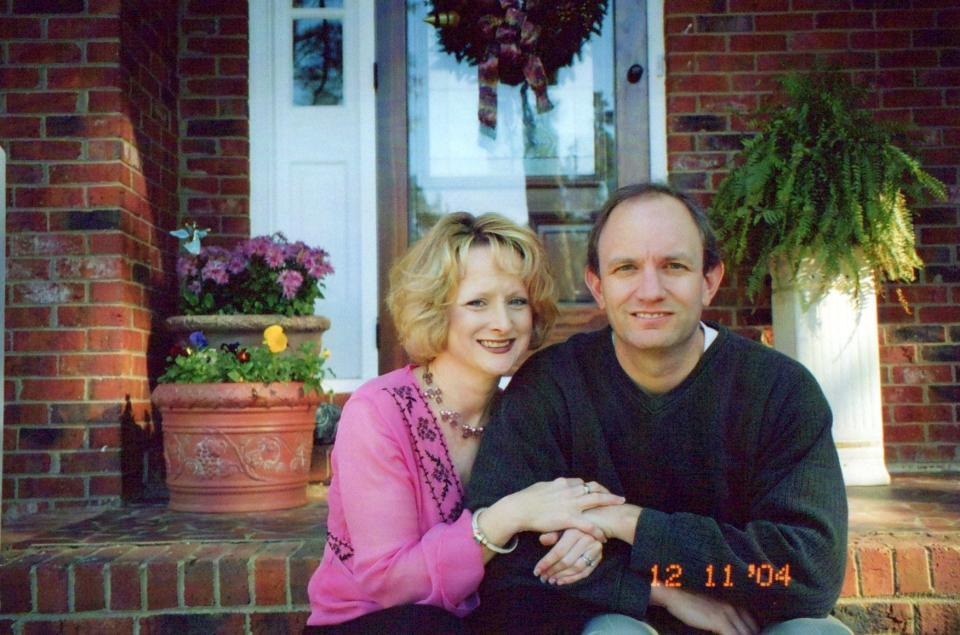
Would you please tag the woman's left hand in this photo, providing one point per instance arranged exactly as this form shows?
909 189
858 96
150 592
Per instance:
573 557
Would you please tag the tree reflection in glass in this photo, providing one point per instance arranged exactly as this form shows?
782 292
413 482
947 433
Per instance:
317 62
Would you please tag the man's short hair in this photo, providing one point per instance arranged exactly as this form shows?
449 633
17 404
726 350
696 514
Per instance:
711 250
424 281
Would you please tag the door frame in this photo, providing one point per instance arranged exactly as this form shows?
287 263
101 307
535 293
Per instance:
392 148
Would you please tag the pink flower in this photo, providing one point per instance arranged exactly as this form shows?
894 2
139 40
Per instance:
316 263
215 270
236 263
290 280
275 256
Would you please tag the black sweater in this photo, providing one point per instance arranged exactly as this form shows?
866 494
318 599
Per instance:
735 466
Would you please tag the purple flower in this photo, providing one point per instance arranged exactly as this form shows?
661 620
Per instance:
195 287
290 280
316 263
236 263
275 256
215 270
186 267
198 340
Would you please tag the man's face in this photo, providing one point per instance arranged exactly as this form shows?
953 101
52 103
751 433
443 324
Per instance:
650 280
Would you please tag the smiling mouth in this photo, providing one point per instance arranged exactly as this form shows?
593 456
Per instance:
648 315
497 346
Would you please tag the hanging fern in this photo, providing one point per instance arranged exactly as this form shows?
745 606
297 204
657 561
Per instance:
823 179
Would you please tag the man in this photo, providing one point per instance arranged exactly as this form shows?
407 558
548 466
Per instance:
721 446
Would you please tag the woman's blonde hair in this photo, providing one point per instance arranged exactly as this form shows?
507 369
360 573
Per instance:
424 282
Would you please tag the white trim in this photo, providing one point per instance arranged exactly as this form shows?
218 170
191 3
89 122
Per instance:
369 305
657 91
262 136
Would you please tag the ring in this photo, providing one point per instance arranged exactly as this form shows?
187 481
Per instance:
586 489
588 560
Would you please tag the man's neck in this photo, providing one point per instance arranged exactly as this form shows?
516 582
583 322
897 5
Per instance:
658 371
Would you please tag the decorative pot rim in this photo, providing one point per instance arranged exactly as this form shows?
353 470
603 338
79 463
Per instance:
215 323
234 395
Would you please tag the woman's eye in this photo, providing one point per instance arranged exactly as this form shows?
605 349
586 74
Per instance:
519 302
477 303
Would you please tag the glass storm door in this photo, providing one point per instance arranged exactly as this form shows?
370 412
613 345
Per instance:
544 147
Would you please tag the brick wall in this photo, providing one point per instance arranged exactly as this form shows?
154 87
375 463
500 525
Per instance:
721 58
214 162
88 118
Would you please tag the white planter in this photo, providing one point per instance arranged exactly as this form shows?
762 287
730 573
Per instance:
837 341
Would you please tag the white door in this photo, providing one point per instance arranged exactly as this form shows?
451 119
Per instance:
312 156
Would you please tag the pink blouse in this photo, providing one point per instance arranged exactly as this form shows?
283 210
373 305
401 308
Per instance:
397 532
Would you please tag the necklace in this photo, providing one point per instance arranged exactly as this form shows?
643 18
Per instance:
447 416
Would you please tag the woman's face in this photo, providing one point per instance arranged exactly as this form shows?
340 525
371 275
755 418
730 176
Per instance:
490 321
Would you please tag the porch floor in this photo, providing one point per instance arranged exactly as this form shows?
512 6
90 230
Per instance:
903 574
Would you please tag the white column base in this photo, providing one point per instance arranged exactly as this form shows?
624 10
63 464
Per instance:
838 344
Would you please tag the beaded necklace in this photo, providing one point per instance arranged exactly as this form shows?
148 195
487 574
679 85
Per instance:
447 416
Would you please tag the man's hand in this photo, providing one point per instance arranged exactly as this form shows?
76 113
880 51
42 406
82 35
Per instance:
619 521
704 612
574 556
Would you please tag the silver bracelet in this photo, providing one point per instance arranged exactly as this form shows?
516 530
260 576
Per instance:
482 539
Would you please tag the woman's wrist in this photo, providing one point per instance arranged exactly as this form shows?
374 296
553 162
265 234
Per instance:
500 522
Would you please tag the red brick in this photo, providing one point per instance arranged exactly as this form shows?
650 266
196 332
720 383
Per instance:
19 28
217 87
14 127
51 389
922 413
939 619
25 463
83 77
758 43
945 568
105 436
106 101
48 293
88 586
110 485
49 197
876 570
85 462
75 626
99 52
98 316
234 576
124 586
104 150
92 267
844 20
28 269
106 389
115 340
913 572
922 374
161 584
89 173
15 585
898 433
54 340
13 78
270 574
44 53
902 394
783 22
59 102
944 433
45 150
198 583
217 45
897 354
50 487
29 414
50 438
879 40
223 167
52 589
30 365
939 314
693 43
83 28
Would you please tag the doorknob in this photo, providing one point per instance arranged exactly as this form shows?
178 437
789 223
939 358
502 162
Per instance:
634 73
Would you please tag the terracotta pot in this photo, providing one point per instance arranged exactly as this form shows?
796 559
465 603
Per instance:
248 329
236 447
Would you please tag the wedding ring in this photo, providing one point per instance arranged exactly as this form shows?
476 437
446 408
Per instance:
588 560
586 489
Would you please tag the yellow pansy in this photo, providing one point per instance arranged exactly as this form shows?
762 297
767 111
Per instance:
326 353
275 339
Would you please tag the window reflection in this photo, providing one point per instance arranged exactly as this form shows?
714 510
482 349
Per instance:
317 62
317 4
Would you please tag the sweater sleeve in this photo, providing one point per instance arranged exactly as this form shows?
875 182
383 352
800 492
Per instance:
393 560
524 444
788 559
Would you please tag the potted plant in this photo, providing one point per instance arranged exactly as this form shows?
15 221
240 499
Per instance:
238 422
233 294
820 198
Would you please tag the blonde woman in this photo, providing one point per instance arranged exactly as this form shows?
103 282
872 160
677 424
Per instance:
402 553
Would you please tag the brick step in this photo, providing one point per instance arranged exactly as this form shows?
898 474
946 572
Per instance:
255 587
895 583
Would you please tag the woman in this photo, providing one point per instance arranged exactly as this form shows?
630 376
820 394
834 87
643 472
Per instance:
402 553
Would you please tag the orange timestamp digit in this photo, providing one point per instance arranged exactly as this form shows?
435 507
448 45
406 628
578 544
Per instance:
763 575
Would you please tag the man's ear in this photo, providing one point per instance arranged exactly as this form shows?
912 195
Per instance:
593 283
712 278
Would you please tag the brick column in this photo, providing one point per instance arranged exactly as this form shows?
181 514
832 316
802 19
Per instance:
89 122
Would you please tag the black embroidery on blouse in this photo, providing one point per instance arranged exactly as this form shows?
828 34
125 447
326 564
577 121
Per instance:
437 469
342 548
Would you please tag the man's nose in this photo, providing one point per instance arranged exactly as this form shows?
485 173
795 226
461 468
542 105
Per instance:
649 285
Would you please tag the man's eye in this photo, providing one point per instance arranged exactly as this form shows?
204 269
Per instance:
678 266
623 267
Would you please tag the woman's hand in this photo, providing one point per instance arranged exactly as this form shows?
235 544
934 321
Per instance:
574 556
704 612
547 506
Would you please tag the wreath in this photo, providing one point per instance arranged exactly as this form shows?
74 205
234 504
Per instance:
514 42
